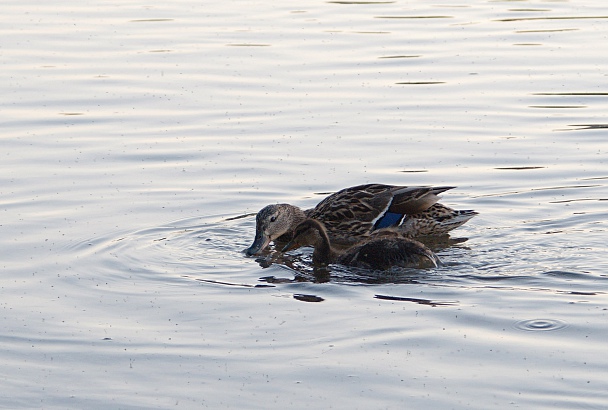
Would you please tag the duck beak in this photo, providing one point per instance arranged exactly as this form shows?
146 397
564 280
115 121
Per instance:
261 241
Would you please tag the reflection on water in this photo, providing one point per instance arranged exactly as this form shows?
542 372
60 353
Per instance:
432 303
307 298
139 141
589 126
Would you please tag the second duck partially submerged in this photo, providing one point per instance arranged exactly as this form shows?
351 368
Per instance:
382 250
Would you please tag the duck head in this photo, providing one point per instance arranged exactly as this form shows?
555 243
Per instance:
272 222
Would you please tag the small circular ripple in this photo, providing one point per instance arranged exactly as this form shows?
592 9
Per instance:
540 324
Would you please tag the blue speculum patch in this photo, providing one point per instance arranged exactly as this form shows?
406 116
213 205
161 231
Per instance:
389 219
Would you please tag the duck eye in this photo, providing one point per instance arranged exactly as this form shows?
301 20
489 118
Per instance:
273 218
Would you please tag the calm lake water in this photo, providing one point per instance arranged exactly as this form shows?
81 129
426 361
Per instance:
139 139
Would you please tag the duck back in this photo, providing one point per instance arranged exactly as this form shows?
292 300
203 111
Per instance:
384 253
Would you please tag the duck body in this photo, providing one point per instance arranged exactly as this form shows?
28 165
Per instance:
354 213
380 251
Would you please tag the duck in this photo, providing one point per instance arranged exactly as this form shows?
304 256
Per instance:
382 250
354 213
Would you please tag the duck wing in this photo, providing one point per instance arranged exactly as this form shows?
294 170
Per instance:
354 210
412 200
360 209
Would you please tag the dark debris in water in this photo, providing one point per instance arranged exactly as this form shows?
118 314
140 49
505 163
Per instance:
307 298
428 302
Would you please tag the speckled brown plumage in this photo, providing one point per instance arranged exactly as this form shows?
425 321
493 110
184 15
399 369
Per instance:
354 213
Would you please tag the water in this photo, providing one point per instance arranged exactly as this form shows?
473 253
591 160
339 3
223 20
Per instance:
138 140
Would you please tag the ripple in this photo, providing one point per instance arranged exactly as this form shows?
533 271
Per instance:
540 324
208 248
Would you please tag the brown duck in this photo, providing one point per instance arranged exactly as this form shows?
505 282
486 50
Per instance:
381 251
354 213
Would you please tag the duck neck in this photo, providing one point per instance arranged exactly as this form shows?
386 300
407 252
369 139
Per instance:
324 253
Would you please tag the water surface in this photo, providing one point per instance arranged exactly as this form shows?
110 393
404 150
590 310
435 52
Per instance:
138 141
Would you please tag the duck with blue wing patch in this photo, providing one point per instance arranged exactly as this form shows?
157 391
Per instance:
354 213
